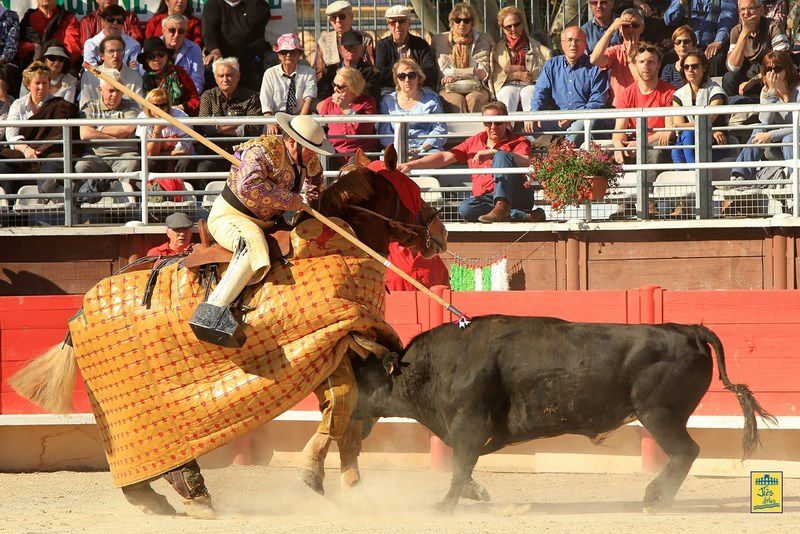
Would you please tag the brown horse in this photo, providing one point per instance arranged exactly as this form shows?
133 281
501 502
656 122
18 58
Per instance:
371 205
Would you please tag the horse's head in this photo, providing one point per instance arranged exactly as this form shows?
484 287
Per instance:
384 206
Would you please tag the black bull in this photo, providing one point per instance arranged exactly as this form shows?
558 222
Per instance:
505 380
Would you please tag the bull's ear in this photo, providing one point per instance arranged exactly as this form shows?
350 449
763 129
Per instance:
391 363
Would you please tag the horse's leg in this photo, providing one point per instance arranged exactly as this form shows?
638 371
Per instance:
188 482
337 399
146 499
349 449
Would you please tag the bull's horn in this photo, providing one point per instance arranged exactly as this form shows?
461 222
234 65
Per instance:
366 346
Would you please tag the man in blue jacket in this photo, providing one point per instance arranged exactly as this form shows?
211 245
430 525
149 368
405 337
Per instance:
569 82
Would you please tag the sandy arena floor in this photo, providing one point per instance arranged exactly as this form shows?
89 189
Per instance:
264 499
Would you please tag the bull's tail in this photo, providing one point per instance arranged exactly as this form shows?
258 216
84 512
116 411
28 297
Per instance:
49 380
747 401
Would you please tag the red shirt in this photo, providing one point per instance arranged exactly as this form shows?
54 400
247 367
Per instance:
429 272
363 105
164 250
464 152
193 29
68 33
92 24
632 97
619 73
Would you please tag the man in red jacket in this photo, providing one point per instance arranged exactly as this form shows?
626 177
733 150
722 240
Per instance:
429 272
179 232
46 22
92 24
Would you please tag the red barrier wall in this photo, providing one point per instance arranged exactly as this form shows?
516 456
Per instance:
758 330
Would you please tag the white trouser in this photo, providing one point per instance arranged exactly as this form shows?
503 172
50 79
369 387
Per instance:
512 94
234 279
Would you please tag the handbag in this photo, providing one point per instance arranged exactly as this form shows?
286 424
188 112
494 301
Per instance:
463 87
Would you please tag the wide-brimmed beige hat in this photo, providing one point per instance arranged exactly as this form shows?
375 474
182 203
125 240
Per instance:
398 12
306 131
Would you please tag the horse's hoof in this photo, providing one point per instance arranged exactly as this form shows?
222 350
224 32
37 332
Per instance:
311 479
446 507
148 501
199 507
476 492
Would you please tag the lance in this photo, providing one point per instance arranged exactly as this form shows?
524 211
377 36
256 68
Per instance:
463 320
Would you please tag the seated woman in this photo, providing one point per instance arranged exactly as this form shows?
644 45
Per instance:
684 41
411 98
465 59
62 83
159 72
699 90
165 140
43 158
348 99
517 60
781 79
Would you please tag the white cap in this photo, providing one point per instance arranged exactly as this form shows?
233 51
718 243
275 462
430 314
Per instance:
398 12
337 7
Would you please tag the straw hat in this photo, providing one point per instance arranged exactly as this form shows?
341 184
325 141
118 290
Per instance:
306 131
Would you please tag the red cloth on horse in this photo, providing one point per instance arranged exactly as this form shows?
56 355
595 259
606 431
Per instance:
429 272
406 188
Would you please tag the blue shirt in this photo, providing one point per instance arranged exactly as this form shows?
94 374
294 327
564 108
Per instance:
190 57
707 25
594 32
428 104
672 75
566 87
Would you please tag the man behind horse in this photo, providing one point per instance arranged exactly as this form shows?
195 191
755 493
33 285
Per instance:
265 185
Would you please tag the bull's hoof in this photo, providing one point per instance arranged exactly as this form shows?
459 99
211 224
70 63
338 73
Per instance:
199 507
311 479
475 492
446 507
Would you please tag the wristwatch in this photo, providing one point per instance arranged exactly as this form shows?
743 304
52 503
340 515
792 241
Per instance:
350 112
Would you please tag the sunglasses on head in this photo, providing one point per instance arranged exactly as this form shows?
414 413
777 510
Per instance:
683 42
179 31
115 20
647 48
338 87
338 16
512 26
692 66
774 68
156 55
632 25
459 20
403 75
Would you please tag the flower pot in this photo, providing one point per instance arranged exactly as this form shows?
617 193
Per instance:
599 187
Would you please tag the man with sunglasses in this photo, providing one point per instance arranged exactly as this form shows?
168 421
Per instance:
92 24
185 53
595 27
288 87
495 197
616 59
352 54
340 16
401 43
113 21
751 39
711 21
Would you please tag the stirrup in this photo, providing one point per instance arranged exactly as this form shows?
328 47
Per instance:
217 325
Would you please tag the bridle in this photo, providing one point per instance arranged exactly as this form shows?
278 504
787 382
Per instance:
420 229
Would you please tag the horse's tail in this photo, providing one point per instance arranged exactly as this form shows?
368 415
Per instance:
747 401
49 380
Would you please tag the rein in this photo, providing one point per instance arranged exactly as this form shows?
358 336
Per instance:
411 228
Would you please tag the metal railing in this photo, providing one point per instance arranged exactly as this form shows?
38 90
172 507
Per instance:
676 190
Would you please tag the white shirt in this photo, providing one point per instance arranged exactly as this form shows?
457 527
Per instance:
90 85
182 141
91 49
275 88
20 110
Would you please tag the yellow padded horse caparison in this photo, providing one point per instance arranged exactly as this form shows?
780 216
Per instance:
162 398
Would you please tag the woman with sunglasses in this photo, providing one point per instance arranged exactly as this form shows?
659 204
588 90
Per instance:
684 41
411 98
517 60
194 31
165 140
699 90
464 58
348 99
62 83
160 73
340 16
781 79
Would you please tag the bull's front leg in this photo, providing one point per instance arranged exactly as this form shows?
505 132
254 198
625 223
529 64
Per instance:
464 460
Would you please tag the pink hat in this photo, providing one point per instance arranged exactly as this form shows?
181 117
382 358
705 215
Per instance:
287 41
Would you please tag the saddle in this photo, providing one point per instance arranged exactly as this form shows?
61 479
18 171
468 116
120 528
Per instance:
207 252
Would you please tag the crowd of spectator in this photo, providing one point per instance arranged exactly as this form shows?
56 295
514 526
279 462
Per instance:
628 54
